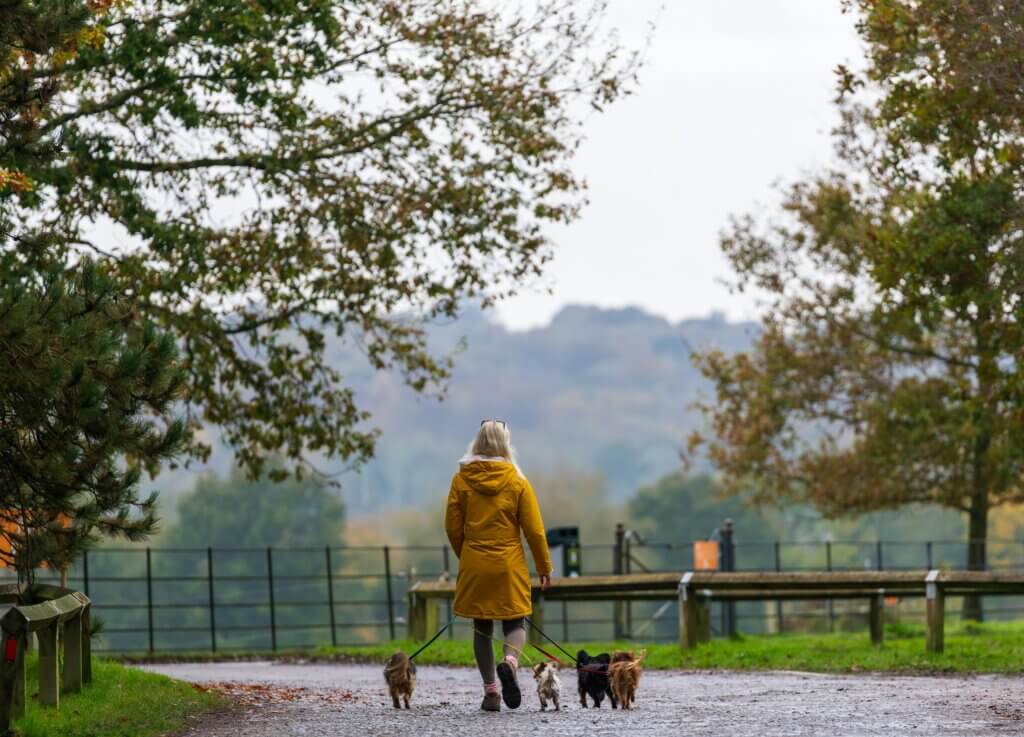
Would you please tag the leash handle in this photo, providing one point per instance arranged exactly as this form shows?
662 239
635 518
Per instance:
432 639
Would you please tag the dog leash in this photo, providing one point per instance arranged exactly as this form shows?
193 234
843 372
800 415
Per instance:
432 639
586 668
552 641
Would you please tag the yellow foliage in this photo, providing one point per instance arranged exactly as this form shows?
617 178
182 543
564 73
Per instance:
15 181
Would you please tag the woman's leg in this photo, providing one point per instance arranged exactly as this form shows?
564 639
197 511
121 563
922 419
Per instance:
483 629
514 631
515 638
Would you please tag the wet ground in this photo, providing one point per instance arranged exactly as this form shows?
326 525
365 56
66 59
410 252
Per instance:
279 700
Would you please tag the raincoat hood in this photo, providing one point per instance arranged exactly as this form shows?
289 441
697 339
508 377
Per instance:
487 475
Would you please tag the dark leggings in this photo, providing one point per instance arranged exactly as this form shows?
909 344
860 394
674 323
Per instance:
514 631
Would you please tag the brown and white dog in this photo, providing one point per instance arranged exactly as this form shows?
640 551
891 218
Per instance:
400 675
624 673
549 685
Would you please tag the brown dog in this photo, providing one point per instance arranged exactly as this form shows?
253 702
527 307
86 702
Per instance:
624 674
400 675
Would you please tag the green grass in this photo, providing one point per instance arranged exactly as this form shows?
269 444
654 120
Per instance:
970 648
120 702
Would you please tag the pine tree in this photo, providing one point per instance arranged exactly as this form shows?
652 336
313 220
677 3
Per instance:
85 392
86 386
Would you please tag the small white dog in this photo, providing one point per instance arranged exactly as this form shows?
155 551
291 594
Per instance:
549 686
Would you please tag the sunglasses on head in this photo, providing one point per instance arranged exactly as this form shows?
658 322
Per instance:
499 422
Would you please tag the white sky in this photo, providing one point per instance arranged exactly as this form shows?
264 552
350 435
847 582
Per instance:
736 95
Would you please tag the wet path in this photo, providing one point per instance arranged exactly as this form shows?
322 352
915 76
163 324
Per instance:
350 701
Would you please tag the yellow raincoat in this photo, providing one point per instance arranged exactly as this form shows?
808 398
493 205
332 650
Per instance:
490 502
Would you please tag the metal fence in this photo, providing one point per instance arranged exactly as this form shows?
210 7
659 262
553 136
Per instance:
270 599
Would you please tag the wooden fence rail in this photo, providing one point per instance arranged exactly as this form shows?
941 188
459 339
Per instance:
695 591
60 620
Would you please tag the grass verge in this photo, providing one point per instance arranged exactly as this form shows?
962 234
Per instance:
120 702
970 648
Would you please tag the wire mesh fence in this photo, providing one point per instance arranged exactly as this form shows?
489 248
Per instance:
272 599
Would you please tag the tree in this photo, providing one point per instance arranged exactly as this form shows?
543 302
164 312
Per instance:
30 33
87 393
86 384
679 509
281 174
239 513
888 371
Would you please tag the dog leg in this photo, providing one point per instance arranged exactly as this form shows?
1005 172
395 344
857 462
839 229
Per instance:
407 702
583 698
543 702
557 705
394 700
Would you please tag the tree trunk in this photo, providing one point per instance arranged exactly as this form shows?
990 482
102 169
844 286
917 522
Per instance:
977 537
977 515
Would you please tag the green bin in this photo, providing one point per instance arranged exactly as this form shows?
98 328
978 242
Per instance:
564 544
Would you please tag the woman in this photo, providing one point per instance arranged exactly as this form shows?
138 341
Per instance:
489 506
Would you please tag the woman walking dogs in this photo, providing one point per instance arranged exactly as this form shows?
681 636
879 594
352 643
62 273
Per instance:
490 506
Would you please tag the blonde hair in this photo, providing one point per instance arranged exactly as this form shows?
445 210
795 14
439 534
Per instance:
493 440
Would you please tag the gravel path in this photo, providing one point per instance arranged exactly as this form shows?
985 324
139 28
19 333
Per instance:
350 701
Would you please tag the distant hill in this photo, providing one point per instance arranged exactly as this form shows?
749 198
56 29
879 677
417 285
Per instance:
596 389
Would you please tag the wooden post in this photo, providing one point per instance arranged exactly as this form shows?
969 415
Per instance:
87 644
49 681
417 617
618 558
390 591
876 612
936 613
12 679
20 696
431 616
688 615
703 607
72 641
537 617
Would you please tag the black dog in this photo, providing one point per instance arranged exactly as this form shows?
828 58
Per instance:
592 678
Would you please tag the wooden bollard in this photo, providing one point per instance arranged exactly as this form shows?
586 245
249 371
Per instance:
49 666
87 644
71 680
417 615
19 697
689 616
537 617
703 616
935 602
12 679
876 617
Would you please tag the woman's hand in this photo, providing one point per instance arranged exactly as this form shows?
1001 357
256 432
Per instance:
545 581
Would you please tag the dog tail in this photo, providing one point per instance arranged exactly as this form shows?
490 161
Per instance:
633 664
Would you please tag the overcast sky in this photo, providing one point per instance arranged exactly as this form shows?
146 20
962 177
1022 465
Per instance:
736 95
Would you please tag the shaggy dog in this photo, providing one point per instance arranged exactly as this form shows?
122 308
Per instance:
549 686
624 674
400 675
592 678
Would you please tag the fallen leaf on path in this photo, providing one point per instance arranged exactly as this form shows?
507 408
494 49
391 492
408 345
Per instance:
261 694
